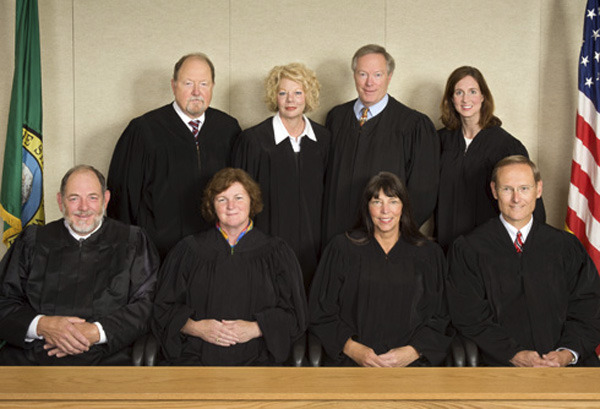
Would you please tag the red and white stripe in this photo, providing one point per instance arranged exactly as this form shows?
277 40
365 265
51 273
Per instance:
583 213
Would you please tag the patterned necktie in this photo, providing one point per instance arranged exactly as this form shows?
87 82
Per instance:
195 124
363 116
519 242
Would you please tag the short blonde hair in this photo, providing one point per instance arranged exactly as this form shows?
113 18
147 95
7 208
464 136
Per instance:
299 73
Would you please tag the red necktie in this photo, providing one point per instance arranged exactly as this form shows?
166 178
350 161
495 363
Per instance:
195 124
519 242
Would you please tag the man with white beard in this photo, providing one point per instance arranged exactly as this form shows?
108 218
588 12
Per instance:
165 157
79 290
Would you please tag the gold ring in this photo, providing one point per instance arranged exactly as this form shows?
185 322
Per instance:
218 340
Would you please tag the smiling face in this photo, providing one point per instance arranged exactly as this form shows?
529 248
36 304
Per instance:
516 192
467 98
232 207
83 204
385 212
291 100
371 78
193 87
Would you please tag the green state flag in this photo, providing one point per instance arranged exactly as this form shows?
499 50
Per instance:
22 196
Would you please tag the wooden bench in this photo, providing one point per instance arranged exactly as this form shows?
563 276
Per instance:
266 388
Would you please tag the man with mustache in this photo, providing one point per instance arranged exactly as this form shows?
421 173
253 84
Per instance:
165 157
77 291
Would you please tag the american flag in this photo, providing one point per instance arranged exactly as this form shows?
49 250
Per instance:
583 213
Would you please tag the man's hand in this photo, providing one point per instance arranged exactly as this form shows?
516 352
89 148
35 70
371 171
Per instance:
89 330
400 357
532 359
363 355
560 358
62 336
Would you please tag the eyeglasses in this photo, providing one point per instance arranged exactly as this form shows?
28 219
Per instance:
509 190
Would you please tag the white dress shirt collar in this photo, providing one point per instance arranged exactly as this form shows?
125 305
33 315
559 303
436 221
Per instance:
374 109
512 230
281 134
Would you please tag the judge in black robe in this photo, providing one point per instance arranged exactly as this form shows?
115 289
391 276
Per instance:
547 297
291 181
399 140
206 278
524 304
157 172
465 200
108 278
383 299
157 175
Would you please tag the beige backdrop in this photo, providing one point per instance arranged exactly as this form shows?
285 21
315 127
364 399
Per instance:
107 61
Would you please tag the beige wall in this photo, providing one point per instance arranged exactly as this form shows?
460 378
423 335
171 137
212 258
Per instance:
107 61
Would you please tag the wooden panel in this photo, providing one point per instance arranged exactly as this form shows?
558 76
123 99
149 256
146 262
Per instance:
302 404
298 387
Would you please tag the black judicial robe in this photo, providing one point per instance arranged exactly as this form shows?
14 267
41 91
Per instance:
382 301
545 298
465 199
292 187
157 176
109 277
202 279
399 140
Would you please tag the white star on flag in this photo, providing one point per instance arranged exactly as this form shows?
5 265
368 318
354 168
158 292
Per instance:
591 14
585 60
588 82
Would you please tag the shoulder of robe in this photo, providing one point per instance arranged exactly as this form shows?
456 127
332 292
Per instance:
320 130
145 130
338 109
214 116
482 237
405 113
254 133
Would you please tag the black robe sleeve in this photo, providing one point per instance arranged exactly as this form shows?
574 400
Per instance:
581 331
286 320
326 299
171 310
127 323
15 312
422 150
432 339
471 313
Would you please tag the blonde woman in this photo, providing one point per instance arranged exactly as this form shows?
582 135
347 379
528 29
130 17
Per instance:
287 155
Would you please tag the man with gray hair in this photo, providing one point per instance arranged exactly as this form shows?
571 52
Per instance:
375 133
79 290
165 157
